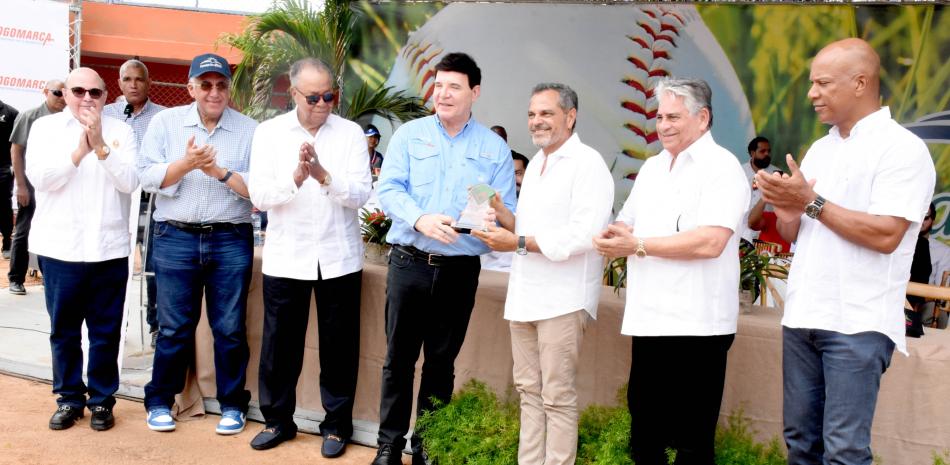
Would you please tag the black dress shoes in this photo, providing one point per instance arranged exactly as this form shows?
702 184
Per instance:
420 457
64 417
272 436
102 418
387 455
333 446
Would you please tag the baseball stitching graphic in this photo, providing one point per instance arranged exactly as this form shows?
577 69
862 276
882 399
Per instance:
611 55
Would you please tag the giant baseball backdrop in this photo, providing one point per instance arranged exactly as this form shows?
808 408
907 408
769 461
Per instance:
756 59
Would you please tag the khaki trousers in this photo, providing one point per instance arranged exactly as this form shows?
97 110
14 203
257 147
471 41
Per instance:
545 357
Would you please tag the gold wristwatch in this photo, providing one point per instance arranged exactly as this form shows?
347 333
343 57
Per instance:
103 152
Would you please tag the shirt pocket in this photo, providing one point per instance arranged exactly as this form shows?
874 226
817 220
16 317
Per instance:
478 168
424 164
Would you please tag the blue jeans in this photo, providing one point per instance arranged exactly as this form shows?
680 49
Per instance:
189 266
831 381
93 292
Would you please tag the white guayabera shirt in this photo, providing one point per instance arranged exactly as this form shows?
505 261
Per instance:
312 227
563 209
694 297
82 212
837 285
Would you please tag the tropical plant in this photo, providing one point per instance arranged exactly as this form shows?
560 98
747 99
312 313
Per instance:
755 268
293 29
374 225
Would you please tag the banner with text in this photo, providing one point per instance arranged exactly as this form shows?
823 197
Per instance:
34 36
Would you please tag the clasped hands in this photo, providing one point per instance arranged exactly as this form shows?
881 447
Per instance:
788 194
203 158
308 165
90 138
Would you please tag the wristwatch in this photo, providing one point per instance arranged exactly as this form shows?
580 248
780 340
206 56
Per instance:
521 250
103 152
227 175
327 180
813 209
641 249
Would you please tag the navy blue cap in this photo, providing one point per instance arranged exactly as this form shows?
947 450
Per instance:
209 63
371 131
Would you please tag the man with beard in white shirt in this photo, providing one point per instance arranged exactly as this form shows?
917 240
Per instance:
555 280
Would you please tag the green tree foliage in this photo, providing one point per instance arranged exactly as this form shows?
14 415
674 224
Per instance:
771 48
291 30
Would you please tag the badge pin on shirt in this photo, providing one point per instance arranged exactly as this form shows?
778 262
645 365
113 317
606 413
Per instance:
115 143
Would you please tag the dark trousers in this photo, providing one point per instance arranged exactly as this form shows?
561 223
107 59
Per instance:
674 395
19 250
6 205
286 311
189 266
93 292
428 308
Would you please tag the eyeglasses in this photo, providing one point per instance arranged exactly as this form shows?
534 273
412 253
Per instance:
80 92
326 96
206 86
58 93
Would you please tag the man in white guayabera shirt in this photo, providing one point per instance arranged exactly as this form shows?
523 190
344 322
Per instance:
310 172
555 279
854 209
678 232
82 166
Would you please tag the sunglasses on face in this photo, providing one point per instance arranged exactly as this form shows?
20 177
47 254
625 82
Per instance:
58 93
327 97
80 92
206 86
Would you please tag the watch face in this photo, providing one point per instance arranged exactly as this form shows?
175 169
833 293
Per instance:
812 210
641 253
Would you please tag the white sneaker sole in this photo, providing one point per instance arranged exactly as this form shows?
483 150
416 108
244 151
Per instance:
161 428
228 432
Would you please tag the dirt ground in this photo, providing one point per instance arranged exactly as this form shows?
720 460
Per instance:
5 283
25 438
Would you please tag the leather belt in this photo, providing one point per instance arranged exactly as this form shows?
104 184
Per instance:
433 259
199 228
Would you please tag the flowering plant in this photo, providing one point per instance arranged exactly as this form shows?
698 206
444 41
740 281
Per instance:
374 225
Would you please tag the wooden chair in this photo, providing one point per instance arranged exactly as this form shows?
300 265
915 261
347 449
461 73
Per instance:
941 294
942 305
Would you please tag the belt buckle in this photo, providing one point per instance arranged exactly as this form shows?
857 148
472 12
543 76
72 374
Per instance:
429 259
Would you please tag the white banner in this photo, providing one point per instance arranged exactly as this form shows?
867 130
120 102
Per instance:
34 37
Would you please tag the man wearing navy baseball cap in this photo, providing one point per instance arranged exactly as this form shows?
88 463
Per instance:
195 159
375 157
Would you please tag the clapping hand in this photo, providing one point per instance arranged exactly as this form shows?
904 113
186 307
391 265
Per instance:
789 194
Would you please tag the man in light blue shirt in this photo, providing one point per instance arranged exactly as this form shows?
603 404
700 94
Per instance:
433 270
195 159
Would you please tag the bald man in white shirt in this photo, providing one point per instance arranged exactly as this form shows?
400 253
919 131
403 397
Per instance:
310 172
82 166
555 279
854 210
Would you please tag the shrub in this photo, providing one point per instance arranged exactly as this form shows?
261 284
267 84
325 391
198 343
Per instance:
475 428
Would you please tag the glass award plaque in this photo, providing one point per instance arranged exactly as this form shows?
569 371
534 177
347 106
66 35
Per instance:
473 216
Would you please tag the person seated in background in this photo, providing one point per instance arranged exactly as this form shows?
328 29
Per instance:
939 263
762 219
920 269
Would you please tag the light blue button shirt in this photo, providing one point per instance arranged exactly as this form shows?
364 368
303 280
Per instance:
138 122
196 197
427 171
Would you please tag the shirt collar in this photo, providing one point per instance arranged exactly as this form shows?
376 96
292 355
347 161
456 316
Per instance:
865 124
566 149
697 146
193 119
290 121
438 122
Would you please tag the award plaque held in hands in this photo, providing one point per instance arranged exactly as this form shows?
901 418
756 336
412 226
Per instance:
473 216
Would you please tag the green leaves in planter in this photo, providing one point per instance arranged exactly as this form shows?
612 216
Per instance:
475 429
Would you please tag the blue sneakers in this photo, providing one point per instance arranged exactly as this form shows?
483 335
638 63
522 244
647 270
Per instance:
232 422
160 419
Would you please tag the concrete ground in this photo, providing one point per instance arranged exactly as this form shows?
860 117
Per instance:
28 403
